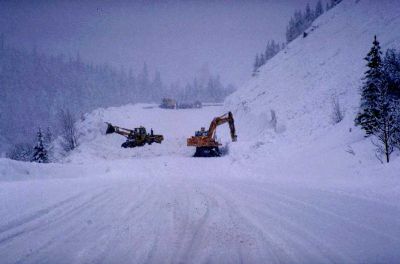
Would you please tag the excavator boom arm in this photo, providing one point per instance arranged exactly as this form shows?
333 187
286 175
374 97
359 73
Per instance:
226 118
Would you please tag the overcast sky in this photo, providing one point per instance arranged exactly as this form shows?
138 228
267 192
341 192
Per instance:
175 37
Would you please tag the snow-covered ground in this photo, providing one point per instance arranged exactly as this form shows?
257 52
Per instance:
306 191
157 204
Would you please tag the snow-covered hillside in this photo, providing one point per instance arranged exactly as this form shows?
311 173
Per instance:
298 83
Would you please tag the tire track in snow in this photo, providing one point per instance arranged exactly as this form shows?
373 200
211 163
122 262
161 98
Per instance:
295 204
197 229
295 209
37 214
246 231
283 231
131 212
46 225
64 227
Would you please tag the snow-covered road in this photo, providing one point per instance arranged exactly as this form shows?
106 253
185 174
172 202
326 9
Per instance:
177 216
178 209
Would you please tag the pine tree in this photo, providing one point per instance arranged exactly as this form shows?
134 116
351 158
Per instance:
40 152
308 17
391 66
256 65
2 41
370 89
290 31
144 84
335 2
157 87
378 109
299 23
319 10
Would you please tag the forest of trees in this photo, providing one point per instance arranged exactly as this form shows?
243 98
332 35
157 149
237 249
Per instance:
302 20
270 51
35 87
298 23
379 113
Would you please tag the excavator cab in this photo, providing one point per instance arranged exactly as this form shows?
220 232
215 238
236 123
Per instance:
141 131
201 133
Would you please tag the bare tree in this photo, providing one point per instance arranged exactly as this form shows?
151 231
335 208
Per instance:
21 151
387 129
337 111
68 129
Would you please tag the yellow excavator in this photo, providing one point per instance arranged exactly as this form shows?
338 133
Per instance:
137 137
205 142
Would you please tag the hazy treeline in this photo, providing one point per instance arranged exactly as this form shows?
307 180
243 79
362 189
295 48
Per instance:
203 90
35 87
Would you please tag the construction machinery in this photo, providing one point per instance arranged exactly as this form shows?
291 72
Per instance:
137 137
205 142
168 103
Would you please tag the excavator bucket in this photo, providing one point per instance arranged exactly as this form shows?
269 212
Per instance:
110 129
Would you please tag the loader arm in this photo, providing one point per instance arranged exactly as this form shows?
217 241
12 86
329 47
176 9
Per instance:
119 130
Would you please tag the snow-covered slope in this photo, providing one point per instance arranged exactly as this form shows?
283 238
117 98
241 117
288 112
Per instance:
298 83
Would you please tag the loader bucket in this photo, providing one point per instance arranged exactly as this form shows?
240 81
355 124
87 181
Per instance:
110 129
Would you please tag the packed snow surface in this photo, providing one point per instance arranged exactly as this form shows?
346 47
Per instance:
157 204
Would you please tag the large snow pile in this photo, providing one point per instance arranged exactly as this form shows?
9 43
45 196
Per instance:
174 125
298 84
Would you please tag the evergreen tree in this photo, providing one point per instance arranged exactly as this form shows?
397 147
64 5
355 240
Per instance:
262 59
319 10
391 66
299 23
40 152
256 64
290 34
370 89
308 16
378 110
157 87
335 2
144 84
2 41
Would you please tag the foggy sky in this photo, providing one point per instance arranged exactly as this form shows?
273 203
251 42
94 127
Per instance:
175 37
